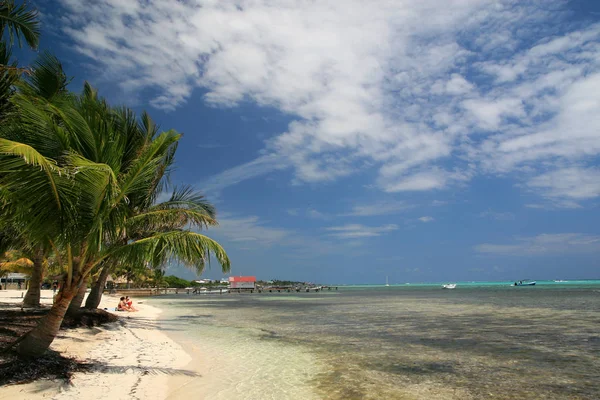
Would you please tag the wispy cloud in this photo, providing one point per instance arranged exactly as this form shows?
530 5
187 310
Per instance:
253 233
315 214
378 208
499 216
308 213
426 219
572 183
544 244
428 92
232 176
250 229
354 231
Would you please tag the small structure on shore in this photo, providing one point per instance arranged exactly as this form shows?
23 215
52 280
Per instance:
242 282
14 280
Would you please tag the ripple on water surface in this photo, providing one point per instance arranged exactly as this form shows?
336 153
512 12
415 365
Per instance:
401 344
238 361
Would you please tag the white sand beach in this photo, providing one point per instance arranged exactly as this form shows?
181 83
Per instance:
134 359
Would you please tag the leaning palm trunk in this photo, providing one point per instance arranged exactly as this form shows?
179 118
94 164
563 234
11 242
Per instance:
78 299
95 295
32 297
38 340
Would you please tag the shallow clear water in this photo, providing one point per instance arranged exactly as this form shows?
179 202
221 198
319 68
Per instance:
400 342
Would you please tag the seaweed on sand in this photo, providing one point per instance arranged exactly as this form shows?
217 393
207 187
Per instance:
15 323
51 365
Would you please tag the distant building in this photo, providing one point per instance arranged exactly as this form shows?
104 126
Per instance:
13 281
203 281
242 282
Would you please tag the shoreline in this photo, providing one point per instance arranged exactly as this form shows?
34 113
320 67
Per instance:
234 362
133 358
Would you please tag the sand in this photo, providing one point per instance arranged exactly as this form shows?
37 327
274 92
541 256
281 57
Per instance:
134 359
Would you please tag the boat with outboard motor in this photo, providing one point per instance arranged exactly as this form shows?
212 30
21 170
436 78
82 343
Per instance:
524 282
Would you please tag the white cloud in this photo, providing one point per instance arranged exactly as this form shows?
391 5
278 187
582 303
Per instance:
426 219
430 92
418 182
353 231
544 244
378 208
573 183
250 229
252 233
309 213
240 173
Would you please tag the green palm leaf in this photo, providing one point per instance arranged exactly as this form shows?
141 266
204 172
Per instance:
20 22
191 248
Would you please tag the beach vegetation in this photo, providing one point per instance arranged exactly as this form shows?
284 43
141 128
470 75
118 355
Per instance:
81 179
176 282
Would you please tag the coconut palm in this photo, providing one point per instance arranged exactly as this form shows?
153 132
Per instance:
75 170
18 21
185 209
45 80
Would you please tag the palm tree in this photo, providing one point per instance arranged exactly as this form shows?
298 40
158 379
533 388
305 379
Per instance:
185 209
16 22
46 80
20 22
72 176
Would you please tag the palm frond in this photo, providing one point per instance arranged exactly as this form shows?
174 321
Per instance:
186 196
142 173
20 22
191 248
47 77
161 220
8 76
24 154
22 265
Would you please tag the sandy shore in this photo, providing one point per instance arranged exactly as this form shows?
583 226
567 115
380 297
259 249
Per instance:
134 359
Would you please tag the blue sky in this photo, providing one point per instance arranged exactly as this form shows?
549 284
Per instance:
346 141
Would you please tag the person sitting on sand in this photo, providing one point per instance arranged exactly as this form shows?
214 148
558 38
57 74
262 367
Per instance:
122 305
129 303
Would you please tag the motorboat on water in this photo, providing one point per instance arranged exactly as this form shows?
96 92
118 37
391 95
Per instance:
449 286
525 282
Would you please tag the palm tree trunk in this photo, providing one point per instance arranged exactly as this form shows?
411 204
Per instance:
38 340
32 297
78 299
95 295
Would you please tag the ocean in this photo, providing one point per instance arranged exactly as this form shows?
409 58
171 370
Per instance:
418 341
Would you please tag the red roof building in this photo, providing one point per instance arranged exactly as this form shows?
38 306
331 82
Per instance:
242 282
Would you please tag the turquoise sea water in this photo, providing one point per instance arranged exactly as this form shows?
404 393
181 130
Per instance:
545 283
418 341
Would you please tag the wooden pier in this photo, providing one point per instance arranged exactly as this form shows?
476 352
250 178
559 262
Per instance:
218 291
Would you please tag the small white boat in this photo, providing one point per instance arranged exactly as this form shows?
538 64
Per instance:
449 286
524 282
386 281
